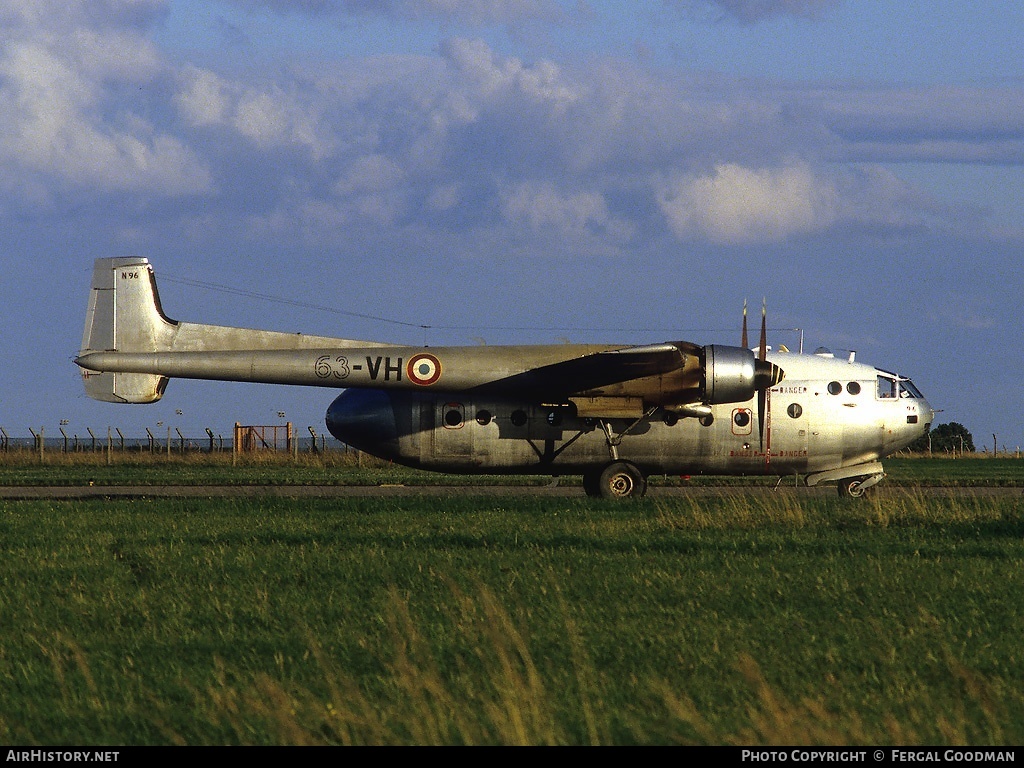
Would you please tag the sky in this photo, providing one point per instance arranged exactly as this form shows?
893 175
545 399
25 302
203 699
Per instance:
517 171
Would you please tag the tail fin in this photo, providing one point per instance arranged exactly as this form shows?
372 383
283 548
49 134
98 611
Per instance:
124 315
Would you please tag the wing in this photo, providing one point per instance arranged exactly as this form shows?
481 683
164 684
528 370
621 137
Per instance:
614 369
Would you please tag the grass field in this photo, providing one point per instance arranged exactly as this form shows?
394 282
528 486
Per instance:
24 468
756 619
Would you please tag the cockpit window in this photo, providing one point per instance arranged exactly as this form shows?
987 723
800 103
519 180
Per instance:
886 387
907 389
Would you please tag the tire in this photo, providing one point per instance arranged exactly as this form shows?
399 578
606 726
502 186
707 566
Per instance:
847 489
622 480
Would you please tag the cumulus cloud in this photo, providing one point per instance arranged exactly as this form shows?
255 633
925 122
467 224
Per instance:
265 115
539 205
734 204
476 139
470 139
541 83
60 75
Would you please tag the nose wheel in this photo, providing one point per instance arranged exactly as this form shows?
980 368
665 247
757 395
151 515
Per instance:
618 480
857 487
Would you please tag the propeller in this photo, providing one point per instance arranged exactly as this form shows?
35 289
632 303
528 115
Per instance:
766 375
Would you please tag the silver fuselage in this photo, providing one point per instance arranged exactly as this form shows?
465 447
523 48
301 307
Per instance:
826 414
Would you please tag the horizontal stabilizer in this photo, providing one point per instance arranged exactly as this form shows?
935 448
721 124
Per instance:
111 387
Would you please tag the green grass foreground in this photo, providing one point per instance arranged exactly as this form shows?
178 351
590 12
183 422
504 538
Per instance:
764 618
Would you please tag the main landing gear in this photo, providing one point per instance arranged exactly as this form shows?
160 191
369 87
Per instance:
618 480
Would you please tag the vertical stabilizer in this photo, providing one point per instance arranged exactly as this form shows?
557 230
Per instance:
124 315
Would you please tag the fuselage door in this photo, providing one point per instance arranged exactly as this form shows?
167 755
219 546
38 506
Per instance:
452 436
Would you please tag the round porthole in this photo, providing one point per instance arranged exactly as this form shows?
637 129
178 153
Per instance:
795 411
518 418
853 388
742 418
483 418
834 387
453 418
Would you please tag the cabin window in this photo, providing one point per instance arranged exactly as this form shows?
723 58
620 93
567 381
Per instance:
795 411
483 417
886 387
518 418
741 421
834 387
453 417
853 388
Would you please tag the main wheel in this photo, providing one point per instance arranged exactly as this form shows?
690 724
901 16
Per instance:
622 480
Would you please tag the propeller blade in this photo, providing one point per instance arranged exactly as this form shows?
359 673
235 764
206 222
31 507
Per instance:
766 375
762 399
743 339
763 349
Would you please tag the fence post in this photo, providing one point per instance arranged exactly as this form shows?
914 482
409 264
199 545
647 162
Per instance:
110 445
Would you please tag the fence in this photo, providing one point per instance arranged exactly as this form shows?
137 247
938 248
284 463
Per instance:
245 439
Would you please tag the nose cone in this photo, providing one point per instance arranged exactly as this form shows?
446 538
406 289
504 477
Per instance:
364 419
919 417
927 415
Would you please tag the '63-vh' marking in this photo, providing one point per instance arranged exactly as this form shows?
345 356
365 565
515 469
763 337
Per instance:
326 367
379 367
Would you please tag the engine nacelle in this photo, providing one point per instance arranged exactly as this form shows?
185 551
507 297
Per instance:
730 374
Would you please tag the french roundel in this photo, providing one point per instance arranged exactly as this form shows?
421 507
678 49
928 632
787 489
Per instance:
423 369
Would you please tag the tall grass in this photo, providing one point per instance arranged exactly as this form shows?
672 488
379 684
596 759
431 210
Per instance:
751 618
